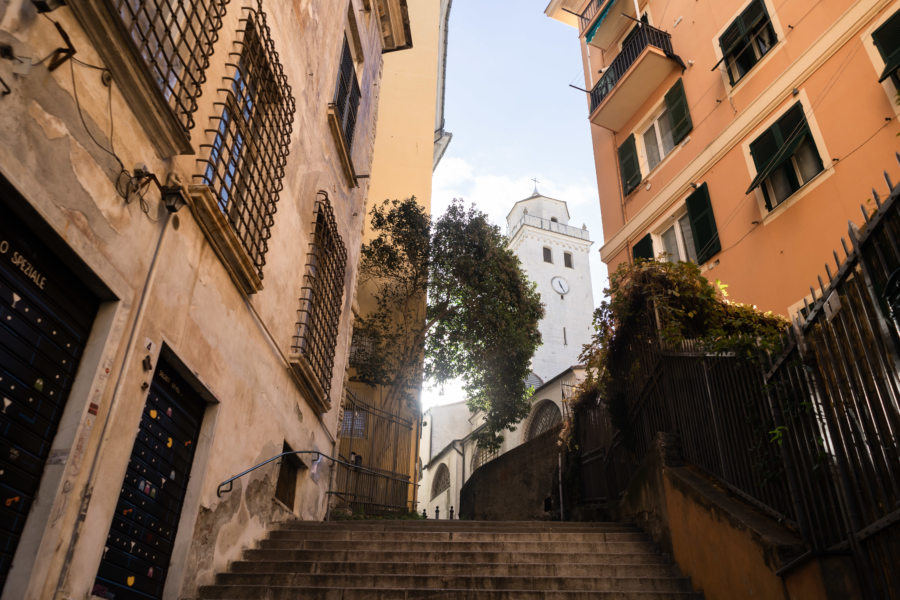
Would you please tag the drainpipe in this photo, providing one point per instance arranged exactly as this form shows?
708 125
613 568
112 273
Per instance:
87 492
637 13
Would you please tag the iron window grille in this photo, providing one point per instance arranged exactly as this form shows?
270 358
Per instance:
347 95
482 457
320 298
545 418
354 424
174 40
441 481
246 160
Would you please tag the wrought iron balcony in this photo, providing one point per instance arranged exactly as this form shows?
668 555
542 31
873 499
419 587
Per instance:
645 61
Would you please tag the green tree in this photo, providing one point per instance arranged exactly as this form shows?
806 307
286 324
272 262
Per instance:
451 302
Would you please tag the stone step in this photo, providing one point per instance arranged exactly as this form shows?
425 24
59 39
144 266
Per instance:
461 546
508 569
469 582
447 525
291 593
392 537
405 557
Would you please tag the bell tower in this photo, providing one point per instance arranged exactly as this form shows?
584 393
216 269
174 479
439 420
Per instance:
554 255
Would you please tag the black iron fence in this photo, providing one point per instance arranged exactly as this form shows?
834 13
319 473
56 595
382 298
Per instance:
378 444
639 39
810 436
589 13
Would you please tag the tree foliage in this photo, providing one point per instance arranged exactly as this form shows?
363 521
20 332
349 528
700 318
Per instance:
451 302
652 301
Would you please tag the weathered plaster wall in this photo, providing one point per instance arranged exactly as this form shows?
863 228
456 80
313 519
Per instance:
164 287
730 550
514 486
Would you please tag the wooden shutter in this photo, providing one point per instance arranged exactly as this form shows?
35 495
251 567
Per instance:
778 143
887 40
629 165
703 224
679 114
643 249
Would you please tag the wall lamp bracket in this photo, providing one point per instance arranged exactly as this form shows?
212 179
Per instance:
172 194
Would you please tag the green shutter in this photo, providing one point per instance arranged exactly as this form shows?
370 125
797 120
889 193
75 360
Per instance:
643 249
629 165
778 143
679 114
887 40
703 224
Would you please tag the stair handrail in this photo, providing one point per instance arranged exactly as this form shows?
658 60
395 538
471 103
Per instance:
230 482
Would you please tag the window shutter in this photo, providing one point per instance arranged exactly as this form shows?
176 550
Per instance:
703 224
887 40
629 165
643 249
679 114
778 143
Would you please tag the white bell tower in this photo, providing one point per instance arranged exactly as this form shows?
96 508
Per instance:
555 256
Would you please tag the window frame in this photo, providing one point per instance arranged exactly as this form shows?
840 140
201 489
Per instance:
253 132
568 260
144 94
675 223
800 136
746 36
314 342
440 480
548 255
653 123
343 110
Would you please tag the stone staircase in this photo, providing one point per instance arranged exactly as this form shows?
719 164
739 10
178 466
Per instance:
458 560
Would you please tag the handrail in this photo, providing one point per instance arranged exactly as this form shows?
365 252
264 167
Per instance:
230 482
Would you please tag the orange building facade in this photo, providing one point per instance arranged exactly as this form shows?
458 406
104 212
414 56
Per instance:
740 134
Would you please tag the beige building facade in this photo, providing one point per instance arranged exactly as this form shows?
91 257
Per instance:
409 143
741 135
180 223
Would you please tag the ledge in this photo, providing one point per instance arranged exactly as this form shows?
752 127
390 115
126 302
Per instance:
132 78
308 385
221 237
334 122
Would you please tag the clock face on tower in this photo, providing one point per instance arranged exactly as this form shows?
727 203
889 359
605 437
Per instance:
559 285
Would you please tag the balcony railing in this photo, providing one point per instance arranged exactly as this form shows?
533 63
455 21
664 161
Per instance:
590 12
640 39
549 226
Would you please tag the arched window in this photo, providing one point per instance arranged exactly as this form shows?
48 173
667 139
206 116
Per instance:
545 416
441 481
481 457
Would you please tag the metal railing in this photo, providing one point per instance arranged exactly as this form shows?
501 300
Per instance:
641 38
810 435
381 441
587 16
549 225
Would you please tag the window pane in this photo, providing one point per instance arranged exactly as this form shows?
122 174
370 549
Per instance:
808 162
567 259
780 182
687 234
670 245
665 132
547 256
652 146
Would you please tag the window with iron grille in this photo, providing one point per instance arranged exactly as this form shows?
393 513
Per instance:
483 456
354 424
545 417
174 39
320 299
246 160
347 95
441 481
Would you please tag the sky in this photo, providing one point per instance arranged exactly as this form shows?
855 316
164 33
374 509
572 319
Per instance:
514 118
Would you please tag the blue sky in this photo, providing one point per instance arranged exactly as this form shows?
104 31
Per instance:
514 117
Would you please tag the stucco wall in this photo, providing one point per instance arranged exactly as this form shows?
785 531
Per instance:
730 550
514 486
824 58
163 286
